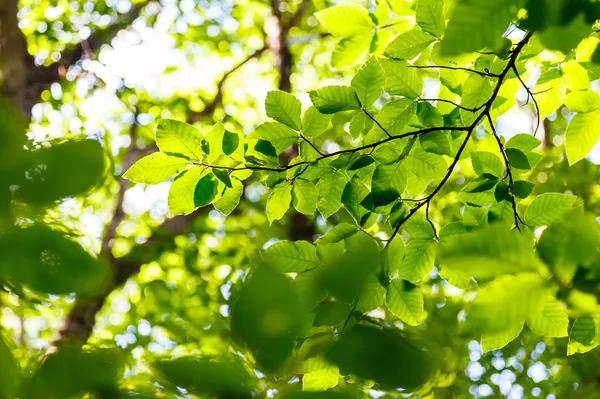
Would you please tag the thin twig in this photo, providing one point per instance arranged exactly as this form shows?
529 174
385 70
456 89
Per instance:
376 122
488 74
450 102
529 94
508 171
487 107
311 144
210 107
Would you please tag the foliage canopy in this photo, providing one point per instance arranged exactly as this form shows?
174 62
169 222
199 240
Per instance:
414 209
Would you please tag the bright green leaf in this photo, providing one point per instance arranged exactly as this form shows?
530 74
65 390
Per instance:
408 45
155 168
291 256
547 208
332 99
279 201
345 20
174 137
405 301
368 82
284 108
304 196
582 135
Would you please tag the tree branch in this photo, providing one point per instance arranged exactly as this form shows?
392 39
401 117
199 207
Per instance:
218 99
52 72
508 172
485 113
486 73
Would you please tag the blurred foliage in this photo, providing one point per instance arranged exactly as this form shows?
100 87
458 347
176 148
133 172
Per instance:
440 156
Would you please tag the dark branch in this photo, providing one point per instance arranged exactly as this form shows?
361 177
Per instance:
53 72
508 172
488 74
377 123
486 113
218 99
450 102
529 95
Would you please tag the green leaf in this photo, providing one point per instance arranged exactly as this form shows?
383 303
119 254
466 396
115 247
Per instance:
351 51
582 134
268 315
395 116
487 162
359 124
430 16
348 276
206 376
314 123
332 99
583 101
498 340
565 37
338 233
585 334
517 159
371 297
277 134
522 188
174 137
547 208
284 108
425 164
304 196
279 201
231 198
393 255
155 168
9 378
550 90
524 142
405 301
320 380
212 144
354 193
187 193
388 183
309 287
401 80
368 82
47 261
477 90
418 260
231 141
476 24
429 115
88 371
436 142
570 242
506 301
291 256
408 45
62 170
488 252
482 183
223 176
550 321
330 189
418 227
345 20
332 313
583 330
381 356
